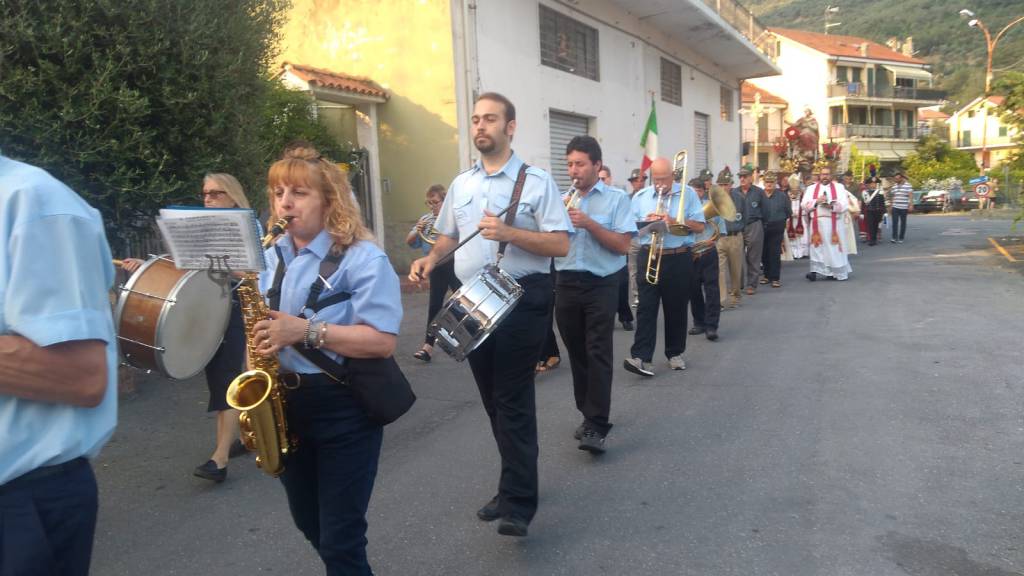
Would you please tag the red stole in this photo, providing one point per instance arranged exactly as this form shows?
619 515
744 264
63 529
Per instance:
815 234
799 229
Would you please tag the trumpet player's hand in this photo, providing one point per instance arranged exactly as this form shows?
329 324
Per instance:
494 228
420 269
580 220
280 331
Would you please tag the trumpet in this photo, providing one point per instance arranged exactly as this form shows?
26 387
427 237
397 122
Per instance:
573 199
425 228
657 248
679 175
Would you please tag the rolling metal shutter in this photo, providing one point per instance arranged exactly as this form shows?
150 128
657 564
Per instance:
563 128
700 141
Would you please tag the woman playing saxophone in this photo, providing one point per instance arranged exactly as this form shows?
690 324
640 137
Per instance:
329 476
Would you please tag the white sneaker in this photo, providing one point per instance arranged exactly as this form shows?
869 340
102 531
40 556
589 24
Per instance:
636 366
677 362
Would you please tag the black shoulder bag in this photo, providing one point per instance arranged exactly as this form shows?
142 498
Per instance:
378 384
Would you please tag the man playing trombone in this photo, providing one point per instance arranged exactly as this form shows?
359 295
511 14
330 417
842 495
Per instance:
587 286
663 272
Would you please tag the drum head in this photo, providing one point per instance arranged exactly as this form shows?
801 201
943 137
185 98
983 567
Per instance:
190 330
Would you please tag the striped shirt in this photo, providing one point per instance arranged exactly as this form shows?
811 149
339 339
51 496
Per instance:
901 194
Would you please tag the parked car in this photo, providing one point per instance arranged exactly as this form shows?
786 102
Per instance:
916 199
968 200
931 201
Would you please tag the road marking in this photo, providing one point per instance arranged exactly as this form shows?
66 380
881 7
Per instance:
1002 250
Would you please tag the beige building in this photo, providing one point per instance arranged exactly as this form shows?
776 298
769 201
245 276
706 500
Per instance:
862 93
979 125
763 122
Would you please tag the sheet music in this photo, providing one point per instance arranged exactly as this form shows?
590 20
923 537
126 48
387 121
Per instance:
229 235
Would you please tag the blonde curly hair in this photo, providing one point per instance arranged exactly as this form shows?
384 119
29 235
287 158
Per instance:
303 166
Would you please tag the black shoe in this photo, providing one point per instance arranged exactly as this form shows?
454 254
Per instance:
489 512
627 325
711 334
578 433
512 526
237 449
812 276
592 441
210 471
695 330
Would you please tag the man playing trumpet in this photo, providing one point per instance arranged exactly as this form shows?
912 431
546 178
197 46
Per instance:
587 286
674 267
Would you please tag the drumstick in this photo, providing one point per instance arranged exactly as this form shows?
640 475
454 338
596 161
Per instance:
118 263
468 238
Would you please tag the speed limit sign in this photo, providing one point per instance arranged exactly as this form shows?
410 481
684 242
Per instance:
982 189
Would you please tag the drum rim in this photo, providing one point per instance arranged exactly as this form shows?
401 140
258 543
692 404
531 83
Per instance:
127 287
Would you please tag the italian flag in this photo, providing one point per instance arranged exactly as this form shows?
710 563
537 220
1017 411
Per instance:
649 142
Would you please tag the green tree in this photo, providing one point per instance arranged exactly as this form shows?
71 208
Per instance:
130 102
1011 86
935 159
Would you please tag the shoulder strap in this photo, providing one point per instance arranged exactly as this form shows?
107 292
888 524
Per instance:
274 294
513 204
328 266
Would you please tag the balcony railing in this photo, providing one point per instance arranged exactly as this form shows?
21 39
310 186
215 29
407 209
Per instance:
767 137
862 90
868 131
744 22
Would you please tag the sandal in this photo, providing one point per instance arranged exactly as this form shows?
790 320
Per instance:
776 284
550 364
422 354
764 280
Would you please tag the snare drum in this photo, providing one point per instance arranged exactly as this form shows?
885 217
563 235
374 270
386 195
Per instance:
474 311
171 320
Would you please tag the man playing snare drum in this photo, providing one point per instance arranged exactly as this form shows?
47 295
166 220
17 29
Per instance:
503 365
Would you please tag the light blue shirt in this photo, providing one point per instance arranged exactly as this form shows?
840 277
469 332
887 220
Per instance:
365 273
610 208
708 231
646 200
55 276
540 209
418 243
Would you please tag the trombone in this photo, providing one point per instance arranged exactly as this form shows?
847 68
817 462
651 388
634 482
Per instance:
679 175
657 247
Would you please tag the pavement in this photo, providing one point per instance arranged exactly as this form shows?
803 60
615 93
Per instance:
870 427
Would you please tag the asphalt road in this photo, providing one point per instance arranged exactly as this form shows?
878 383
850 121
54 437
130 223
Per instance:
869 427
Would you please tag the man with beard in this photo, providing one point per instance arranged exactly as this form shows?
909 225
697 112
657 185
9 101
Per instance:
672 289
587 286
503 365
825 201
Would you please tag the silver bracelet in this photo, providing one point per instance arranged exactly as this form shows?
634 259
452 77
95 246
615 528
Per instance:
308 339
321 335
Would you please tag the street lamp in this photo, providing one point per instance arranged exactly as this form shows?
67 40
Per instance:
990 43
830 10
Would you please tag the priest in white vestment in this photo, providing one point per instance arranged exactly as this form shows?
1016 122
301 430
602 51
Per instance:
826 202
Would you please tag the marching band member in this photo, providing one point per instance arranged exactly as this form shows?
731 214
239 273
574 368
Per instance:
58 371
826 201
220 190
673 288
730 248
503 365
329 478
705 298
441 278
588 287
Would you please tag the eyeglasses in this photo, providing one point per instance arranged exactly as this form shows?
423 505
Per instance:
212 194
433 203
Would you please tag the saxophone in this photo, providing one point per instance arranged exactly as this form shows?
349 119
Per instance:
257 393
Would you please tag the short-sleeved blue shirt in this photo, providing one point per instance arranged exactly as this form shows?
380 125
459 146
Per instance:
646 200
364 272
55 276
540 209
610 208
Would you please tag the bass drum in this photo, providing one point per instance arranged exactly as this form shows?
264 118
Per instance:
171 320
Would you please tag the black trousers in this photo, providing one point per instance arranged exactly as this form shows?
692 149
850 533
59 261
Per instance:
625 310
503 367
585 310
672 292
441 279
873 220
47 521
899 223
705 293
329 477
771 253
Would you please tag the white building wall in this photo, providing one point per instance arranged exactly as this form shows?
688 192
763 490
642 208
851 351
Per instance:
508 61
804 82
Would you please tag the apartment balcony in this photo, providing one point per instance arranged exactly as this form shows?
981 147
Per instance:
872 131
862 90
766 137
